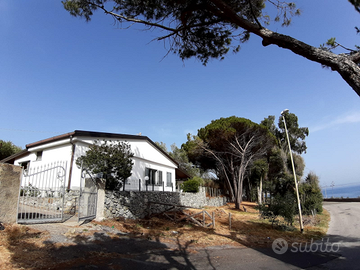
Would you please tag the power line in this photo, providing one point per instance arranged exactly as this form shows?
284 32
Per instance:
24 130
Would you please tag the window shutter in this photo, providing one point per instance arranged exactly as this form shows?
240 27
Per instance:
160 178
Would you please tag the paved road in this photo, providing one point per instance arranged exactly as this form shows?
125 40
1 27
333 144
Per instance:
344 230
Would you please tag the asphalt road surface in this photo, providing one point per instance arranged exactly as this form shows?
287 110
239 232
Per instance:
344 230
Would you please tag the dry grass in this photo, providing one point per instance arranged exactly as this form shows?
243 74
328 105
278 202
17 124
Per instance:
247 229
22 247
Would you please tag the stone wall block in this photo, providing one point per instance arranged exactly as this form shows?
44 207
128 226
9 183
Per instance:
9 192
135 204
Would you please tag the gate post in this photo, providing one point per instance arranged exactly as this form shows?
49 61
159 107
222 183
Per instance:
100 200
9 192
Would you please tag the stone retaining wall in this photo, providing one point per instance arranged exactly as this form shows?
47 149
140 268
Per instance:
135 204
71 201
53 203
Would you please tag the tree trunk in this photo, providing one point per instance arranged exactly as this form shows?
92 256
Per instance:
237 203
248 193
259 191
238 199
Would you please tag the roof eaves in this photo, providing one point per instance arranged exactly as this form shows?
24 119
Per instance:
83 133
52 139
123 136
19 154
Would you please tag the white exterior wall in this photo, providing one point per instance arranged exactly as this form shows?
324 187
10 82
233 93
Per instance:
80 150
52 155
138 173
145 156
60 151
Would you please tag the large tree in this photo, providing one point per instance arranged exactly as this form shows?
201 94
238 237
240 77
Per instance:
210 28
112 159
297 135
356 4
7 148
229 146
181 157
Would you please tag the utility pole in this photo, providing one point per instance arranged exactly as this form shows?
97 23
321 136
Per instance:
293 168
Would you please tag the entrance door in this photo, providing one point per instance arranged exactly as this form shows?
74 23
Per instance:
42 192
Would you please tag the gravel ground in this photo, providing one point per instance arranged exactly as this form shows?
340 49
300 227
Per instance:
68 231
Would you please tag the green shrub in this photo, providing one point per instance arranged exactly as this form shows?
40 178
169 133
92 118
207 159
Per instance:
199 180
311 196
311 199
191 185
281 206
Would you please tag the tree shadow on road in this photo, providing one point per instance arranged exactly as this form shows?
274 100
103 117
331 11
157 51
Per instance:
305 254
116 251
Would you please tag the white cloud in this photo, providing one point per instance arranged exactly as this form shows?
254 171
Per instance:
353 117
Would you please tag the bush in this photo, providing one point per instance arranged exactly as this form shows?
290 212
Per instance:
311 196
192 185
199 180
281 206
311 199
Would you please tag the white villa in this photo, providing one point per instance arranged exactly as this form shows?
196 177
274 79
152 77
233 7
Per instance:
151 163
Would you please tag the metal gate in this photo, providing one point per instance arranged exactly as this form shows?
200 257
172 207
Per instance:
42 192
88 196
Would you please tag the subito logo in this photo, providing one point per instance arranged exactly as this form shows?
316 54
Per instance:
279 246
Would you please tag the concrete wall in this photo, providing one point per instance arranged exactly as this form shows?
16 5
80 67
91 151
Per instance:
9 192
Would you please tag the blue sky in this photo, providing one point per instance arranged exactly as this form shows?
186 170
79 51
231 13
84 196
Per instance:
59 74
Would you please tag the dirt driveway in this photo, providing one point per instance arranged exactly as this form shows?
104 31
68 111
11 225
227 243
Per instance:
87 246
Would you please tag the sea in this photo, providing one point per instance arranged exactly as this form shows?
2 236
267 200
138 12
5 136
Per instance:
344 191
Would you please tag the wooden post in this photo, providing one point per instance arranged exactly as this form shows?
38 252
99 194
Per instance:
213 219
139 184
230 221
203 219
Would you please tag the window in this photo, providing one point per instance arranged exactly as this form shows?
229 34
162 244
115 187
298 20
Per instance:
168 179
155 177
39 155
25 165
